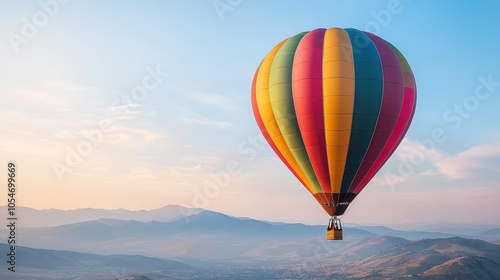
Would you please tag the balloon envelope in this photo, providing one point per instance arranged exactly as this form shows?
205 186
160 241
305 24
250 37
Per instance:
334 104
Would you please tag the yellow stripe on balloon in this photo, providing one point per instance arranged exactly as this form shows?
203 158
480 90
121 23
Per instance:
338 101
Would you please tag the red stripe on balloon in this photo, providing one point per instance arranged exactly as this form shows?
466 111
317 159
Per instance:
307 87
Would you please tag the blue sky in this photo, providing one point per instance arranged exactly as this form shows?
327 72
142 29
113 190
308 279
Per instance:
84 61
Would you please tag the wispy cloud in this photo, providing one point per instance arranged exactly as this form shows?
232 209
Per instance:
192 117
142 135
69 86
463 165
128 111
212 99
418 160
56 117
205 121
141 173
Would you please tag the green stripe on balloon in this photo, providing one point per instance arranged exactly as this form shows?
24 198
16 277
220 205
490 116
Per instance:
367 100
280 93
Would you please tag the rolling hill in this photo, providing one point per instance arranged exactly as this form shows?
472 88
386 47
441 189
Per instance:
52 264
467 267
364 258
431 258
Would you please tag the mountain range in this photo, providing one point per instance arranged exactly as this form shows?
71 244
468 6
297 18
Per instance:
367 258
54 217
207 235
52 264
205 243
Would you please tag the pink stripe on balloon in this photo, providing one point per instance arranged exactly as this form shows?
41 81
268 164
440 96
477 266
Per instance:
392 101
307 87
397 136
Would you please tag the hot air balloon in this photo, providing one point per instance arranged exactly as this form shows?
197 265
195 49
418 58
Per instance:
334 104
